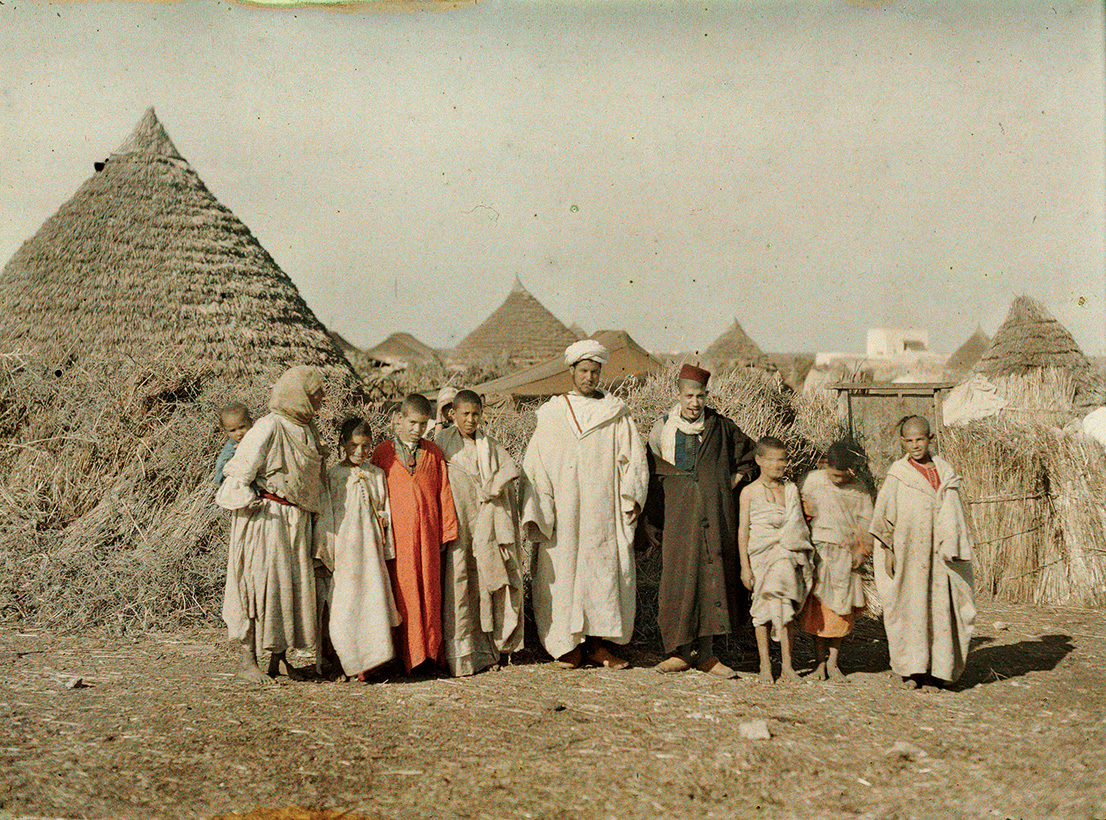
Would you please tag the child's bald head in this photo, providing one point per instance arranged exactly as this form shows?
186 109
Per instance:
916 437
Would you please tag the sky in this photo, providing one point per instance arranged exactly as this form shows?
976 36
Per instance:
810 168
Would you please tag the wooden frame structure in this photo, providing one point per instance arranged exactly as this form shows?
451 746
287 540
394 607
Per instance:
848 391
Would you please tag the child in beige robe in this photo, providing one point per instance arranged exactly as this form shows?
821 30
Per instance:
774 545
481 574
353 539
924 574
840 513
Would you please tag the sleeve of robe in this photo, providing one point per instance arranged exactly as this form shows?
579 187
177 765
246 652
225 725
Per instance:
449 511
507 472
242 468
632 466
744 456
538 507
326 528
655 437
886 513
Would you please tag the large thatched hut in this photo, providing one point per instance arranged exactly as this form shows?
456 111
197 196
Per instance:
521 330
143 258
401 350
1029 339
734 348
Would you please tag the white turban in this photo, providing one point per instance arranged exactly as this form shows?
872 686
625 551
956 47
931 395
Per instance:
585 349
446 396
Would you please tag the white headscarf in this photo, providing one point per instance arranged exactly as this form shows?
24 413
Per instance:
585 349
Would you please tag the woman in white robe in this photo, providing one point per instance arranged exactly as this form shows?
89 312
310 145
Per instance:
353 539
586 482
273 484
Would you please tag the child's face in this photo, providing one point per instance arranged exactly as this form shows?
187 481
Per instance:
915 441
236 425
467 418
410 425
358 448
838 477
772 463
447 413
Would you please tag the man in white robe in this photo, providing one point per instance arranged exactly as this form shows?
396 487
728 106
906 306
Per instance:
587 479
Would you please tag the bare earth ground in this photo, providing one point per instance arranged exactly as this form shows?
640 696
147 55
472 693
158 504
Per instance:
164 731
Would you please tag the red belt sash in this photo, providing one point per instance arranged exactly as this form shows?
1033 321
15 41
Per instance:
278 499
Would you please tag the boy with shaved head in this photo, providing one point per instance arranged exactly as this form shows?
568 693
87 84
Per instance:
924 574
698 459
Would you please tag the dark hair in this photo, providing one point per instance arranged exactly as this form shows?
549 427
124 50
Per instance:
351 427
921 420
417 403
235 409
844 455
766 443
468 397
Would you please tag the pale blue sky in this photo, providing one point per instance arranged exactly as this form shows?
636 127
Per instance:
813 169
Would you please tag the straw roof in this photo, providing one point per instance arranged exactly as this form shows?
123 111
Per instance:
626 359
143 258
403 350
1030 338
578 331
966 356
734 348
521 329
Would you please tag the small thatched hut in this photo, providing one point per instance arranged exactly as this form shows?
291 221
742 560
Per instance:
1030 338
143 258
521 329
734 348
968 354
401 350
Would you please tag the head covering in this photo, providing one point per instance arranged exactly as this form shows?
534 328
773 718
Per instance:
291 394
585 349
694 374
446 396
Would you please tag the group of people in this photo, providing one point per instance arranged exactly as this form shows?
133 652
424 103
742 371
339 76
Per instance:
409 552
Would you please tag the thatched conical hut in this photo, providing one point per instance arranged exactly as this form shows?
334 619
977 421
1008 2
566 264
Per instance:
401 350
521 329
968 354
1029 339
143 258
734 348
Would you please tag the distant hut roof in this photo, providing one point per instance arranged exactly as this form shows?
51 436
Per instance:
144 258
966 356
578 331
1030 338
520 329
626 359
735 348
402 350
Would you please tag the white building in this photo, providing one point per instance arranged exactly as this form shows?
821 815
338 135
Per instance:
892 342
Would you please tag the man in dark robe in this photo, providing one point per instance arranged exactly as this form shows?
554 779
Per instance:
699 458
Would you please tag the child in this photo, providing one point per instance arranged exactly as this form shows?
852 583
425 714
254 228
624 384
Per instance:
444 418
481 575
273 483
925 575
840 512
353 539
773 543
423 522
236 421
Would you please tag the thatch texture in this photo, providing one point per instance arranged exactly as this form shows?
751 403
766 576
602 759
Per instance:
734 348
143 258
521 329
401 350
966 356
1030 338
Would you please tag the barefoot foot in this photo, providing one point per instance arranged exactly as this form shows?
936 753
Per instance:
819 672
251 674
571 659
765 676
788 675
835 674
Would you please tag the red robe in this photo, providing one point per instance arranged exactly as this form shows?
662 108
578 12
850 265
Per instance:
423 519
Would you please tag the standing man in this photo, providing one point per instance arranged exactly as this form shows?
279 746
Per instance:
587 479
699 458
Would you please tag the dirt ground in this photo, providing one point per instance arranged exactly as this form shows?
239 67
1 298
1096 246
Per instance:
163 730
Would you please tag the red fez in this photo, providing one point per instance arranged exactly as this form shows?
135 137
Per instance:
694 374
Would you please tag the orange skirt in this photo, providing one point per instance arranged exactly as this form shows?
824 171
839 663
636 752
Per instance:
818 619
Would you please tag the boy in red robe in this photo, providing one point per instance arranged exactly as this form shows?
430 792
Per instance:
423 522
